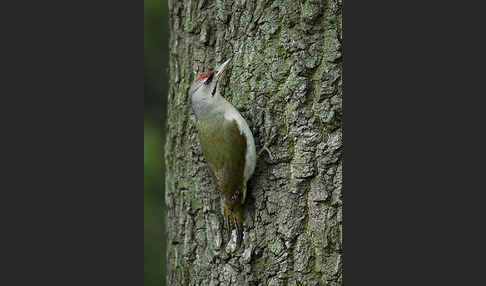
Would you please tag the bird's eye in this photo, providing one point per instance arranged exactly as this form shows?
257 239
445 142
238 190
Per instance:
210 78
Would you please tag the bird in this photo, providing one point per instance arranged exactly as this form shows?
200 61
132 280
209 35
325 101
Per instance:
227 144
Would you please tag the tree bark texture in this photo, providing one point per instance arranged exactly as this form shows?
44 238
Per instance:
286 80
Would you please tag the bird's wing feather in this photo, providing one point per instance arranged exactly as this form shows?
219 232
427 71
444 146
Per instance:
224 147
250 157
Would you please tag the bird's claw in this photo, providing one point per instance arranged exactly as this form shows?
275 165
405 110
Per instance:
266 145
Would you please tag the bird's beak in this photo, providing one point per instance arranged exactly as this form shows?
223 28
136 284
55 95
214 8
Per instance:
221 68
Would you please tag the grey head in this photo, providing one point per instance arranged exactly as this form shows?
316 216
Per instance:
205 99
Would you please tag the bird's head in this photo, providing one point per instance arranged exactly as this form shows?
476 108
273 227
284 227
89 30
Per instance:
203 91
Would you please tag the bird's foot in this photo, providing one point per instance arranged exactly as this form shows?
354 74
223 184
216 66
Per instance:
266 145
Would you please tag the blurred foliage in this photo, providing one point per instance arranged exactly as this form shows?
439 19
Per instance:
156 37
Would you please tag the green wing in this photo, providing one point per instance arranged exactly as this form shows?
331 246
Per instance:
224 148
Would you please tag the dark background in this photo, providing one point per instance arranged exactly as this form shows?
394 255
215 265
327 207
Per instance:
156 38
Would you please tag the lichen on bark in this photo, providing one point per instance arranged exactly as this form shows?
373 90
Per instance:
286 80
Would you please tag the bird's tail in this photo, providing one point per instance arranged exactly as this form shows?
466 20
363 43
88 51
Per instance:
234 219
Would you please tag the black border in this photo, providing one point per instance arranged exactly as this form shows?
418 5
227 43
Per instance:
73 176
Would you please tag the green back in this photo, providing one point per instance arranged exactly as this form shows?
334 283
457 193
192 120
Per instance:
224 148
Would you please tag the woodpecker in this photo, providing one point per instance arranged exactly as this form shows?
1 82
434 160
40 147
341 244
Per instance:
227 145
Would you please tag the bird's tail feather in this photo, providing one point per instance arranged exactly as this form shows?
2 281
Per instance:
234 218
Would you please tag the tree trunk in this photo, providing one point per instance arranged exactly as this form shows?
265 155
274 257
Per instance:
286 80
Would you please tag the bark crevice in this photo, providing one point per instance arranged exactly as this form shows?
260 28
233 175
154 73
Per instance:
286 80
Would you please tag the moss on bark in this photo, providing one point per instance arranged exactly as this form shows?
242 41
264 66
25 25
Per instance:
286 80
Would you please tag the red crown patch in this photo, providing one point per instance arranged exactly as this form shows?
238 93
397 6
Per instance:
203 76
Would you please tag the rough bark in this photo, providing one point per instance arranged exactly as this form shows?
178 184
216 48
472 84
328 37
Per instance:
286 80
